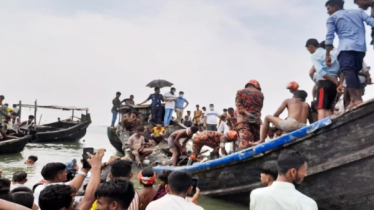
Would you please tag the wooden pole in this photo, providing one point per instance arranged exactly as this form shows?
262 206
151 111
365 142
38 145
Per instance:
36 104
72 115
19 110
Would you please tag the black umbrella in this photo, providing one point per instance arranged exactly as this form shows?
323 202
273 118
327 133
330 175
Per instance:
160 83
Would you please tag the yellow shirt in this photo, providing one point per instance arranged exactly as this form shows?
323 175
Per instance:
94 205
157 132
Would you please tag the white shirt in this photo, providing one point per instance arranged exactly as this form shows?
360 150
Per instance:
39 188
172 202
170 104
211 117
223 128
14 186
281 196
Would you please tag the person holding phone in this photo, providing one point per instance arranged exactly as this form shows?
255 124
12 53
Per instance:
137 145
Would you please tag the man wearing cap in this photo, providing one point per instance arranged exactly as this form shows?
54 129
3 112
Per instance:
292 86
249 102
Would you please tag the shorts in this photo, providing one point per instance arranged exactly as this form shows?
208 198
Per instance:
171 142
350 64
290 125
326 94
211 127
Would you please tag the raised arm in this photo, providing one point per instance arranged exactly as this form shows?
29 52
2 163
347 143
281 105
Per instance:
93 184
281 109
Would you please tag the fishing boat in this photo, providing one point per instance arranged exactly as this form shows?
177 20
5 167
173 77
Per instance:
68 130
144 113
340 151
13 144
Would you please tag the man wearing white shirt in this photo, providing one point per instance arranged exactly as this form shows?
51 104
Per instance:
282 195
169 105
223 128
211 119
179 185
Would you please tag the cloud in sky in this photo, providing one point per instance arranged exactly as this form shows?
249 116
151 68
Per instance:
80 53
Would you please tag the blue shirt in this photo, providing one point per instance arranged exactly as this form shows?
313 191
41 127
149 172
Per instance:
179 104
156 99
349 26
319 63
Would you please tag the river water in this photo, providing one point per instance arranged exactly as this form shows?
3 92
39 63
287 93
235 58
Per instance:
96 137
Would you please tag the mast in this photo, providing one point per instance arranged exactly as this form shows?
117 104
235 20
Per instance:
35 109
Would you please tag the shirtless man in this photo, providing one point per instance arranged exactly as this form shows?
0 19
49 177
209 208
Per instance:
213 139
137 145
298 114
147 178
174 142
231 119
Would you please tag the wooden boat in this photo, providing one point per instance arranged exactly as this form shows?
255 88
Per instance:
13 144
143 111
69 130
341 163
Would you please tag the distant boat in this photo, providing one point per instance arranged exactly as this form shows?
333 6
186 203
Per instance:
341 163
69 130
143 111
13 144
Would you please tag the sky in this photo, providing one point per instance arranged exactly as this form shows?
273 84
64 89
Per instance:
79 53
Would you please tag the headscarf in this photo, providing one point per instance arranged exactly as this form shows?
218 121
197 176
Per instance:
147 180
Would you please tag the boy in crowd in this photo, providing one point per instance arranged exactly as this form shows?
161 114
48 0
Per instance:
269 172
187 122
147 178
19 179
158 133
137 146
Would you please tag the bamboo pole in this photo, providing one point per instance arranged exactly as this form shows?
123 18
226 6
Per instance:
35 110
19 110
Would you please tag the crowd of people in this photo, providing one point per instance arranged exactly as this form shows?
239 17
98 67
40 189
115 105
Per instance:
10 122
101 186
338 74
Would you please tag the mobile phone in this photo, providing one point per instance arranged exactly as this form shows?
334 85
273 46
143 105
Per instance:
195 182
85 156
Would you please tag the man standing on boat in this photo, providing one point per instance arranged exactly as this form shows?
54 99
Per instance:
116 104
326 78
3 109
156 107
249 102
282 194
179 106
170 99
211 119
349 26
298 114
129 101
